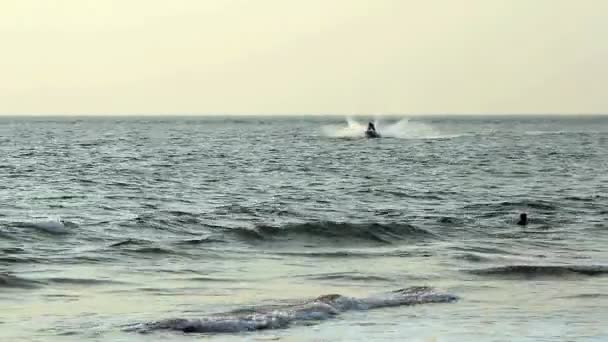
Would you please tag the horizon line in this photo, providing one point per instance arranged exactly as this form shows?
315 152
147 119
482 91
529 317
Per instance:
288 114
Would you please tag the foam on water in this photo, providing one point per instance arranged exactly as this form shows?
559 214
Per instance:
321 308
52 225
353 129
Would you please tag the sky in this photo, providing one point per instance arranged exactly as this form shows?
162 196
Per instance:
303 57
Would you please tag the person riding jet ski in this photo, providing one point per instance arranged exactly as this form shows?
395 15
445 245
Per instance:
371 131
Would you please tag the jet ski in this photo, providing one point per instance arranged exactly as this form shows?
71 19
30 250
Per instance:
370 133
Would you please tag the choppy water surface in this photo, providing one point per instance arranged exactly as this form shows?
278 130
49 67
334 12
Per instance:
146 229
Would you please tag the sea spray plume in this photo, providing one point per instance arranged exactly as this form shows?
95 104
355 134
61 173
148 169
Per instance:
402 129
353 129
406 129
318 309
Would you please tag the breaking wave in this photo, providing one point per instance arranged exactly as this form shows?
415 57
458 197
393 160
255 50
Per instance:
56 226
336 231
277 317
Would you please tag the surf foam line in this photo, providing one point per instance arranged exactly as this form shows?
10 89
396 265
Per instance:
277 317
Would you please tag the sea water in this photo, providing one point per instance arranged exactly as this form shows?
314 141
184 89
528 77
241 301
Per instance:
108 225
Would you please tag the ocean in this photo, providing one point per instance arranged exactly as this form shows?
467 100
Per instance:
302 229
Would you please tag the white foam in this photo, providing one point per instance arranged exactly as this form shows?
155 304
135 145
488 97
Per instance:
352 129
54 226
321 308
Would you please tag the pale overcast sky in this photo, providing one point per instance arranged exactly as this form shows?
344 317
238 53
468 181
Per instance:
304 56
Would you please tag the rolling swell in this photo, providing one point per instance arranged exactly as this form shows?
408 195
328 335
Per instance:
348 276
11 281
542 271
82 281
144 248
346 254
278 317
491 209
336 231
202 241
130 242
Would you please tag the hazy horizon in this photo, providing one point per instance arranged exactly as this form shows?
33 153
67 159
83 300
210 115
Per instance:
270 57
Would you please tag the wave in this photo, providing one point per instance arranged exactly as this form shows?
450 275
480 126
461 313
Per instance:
53 227
328 254
402 129
472 257
61 197
540 205
347 276
154 250
130 242
483 249
589 198
213 279
336 231
56 226
403 194
349 254
6 236
11 281
201 241
587 296
452 221
144 247
573 132
82 281
278 317
18 260
544 271
12 250
175 224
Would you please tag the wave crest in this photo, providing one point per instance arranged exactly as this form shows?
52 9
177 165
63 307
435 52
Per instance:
545 271
337 232
11 281
55 226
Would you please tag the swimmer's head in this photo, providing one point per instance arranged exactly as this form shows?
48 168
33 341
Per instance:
523 219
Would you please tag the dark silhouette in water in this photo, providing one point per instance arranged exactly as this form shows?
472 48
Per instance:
371 127
523 219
